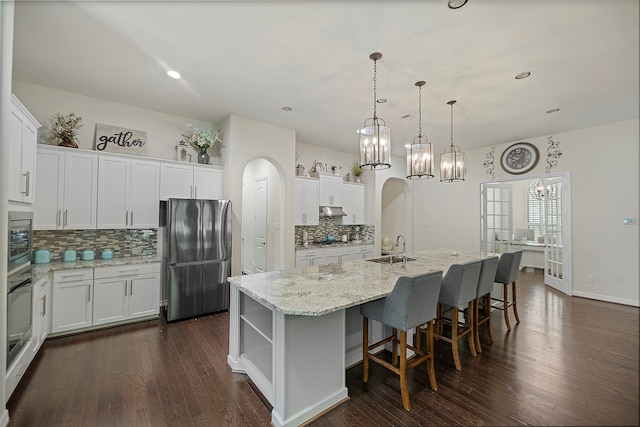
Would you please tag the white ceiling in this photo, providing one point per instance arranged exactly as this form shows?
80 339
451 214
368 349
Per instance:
253 58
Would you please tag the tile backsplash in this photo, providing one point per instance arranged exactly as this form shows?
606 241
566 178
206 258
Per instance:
123 243
328 226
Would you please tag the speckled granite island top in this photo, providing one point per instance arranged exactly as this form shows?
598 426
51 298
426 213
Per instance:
40 270
319 290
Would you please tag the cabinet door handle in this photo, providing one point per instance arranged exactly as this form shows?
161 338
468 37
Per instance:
27 175
131 223
131 287
44 306
126 284
88 294
64 221
58 218
126 219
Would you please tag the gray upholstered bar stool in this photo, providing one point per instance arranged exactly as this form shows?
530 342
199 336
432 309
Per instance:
411 303
483 296
458 290
508 268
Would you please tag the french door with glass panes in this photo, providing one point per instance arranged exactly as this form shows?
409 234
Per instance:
496 218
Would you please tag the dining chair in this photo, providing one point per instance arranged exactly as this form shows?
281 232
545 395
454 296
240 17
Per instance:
457 291
483 296
507 273
411 304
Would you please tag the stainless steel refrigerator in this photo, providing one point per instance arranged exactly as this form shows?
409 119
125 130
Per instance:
197 257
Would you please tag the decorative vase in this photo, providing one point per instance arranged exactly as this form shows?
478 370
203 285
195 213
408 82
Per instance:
358 179
203 157
67 142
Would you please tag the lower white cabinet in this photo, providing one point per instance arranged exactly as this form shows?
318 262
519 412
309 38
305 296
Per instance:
41 312
72 300
332 255
337 255
18 368
125 292
308 257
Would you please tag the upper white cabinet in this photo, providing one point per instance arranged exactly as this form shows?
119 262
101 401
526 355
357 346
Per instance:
330 190
353 204
23 136
66 189
128 193
184 181
306 201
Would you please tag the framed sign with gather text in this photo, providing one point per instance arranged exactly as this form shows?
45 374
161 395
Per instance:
113 139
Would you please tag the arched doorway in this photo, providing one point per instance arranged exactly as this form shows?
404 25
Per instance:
262 216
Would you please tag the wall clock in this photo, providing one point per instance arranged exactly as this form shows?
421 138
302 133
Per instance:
519 158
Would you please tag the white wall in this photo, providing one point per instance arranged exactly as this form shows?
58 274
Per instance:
603 167
164 131
244 140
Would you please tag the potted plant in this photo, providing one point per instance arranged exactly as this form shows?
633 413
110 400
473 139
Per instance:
201 140
357 171
64 129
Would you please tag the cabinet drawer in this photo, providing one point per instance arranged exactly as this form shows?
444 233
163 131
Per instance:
74 275
126 270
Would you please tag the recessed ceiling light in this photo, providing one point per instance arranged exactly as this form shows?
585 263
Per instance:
174 74
456 4
553 110
523 75
381 100
287 108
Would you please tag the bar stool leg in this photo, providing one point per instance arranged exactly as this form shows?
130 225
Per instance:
476 326
365 349
429 347
505 301
404 388
454 338
515 307
471 334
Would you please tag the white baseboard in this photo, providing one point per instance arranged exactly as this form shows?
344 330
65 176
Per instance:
4 418
605 298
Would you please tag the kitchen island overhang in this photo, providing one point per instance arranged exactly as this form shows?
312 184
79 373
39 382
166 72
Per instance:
294 332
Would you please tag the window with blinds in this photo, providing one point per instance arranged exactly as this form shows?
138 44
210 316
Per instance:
535 211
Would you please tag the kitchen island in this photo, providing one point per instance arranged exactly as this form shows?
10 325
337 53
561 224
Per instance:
294 332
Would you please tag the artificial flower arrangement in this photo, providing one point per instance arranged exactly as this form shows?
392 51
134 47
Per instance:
64 129
201 140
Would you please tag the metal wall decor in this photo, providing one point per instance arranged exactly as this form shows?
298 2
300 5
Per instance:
553 154
489 167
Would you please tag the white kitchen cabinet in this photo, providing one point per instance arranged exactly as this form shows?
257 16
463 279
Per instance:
337 255
308 257
207 183
330 190
184 181
306 201
126 292
72 305
66 189
41 312
362 251
353 204
128 193
18 367
23 138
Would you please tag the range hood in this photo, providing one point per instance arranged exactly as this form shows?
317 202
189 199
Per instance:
331 211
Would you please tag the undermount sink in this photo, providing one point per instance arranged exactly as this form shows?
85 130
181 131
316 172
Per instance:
385 259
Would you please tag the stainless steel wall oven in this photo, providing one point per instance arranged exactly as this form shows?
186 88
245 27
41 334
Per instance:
19 286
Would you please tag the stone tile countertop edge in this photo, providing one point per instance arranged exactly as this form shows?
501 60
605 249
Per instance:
38 271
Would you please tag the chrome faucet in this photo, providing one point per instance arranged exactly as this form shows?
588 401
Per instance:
404 248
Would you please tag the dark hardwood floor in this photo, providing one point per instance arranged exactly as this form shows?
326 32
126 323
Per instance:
571 361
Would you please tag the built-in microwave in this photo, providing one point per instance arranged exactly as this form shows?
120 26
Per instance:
20 230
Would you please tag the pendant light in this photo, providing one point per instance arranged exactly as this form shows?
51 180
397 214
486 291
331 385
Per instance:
452 160
420 153
375 136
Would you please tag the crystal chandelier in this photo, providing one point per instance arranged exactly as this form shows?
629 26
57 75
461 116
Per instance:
452 160
420 153
375 136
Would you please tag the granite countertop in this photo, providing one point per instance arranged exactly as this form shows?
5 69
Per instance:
337 244
322 289
40 270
